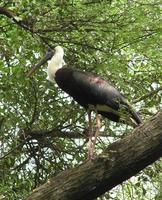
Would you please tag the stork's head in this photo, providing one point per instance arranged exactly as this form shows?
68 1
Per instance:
55 63
59 50
54 57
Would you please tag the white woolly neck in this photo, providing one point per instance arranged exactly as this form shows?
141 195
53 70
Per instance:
55 63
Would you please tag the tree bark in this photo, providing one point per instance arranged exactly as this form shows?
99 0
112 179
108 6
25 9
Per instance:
117 163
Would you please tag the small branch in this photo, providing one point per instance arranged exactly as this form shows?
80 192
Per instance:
148 95
18 167
55 133
8 13
19 146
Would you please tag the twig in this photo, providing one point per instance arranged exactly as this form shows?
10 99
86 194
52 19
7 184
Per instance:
148 95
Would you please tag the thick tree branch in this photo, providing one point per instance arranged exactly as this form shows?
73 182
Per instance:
117 163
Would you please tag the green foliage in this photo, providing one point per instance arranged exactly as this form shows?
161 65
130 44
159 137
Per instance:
42 130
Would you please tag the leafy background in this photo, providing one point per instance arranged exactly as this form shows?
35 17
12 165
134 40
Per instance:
42 130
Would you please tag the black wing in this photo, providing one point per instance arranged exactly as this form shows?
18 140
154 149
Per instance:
97 90
88 89
101 92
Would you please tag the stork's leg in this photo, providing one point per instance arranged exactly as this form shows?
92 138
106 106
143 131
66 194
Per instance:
98 125
90 135
97 131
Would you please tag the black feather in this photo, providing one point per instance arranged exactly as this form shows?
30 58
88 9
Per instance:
88 89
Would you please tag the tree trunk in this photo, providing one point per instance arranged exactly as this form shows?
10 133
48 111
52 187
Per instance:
117 163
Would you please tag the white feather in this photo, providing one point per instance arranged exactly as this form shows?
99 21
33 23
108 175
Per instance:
55 63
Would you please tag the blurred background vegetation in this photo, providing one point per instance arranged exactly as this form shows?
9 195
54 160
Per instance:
42 130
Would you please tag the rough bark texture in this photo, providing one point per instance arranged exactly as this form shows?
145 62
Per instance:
117 163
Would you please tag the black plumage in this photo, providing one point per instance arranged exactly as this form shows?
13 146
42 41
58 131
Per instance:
93 92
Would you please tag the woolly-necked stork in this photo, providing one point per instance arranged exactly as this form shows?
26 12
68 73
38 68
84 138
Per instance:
90 91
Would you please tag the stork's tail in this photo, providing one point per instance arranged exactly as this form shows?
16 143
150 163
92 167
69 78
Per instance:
136 117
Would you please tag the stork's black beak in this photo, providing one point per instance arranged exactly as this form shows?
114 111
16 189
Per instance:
47 57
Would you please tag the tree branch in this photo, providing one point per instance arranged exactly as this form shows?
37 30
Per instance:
153 92
8 13
117 163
